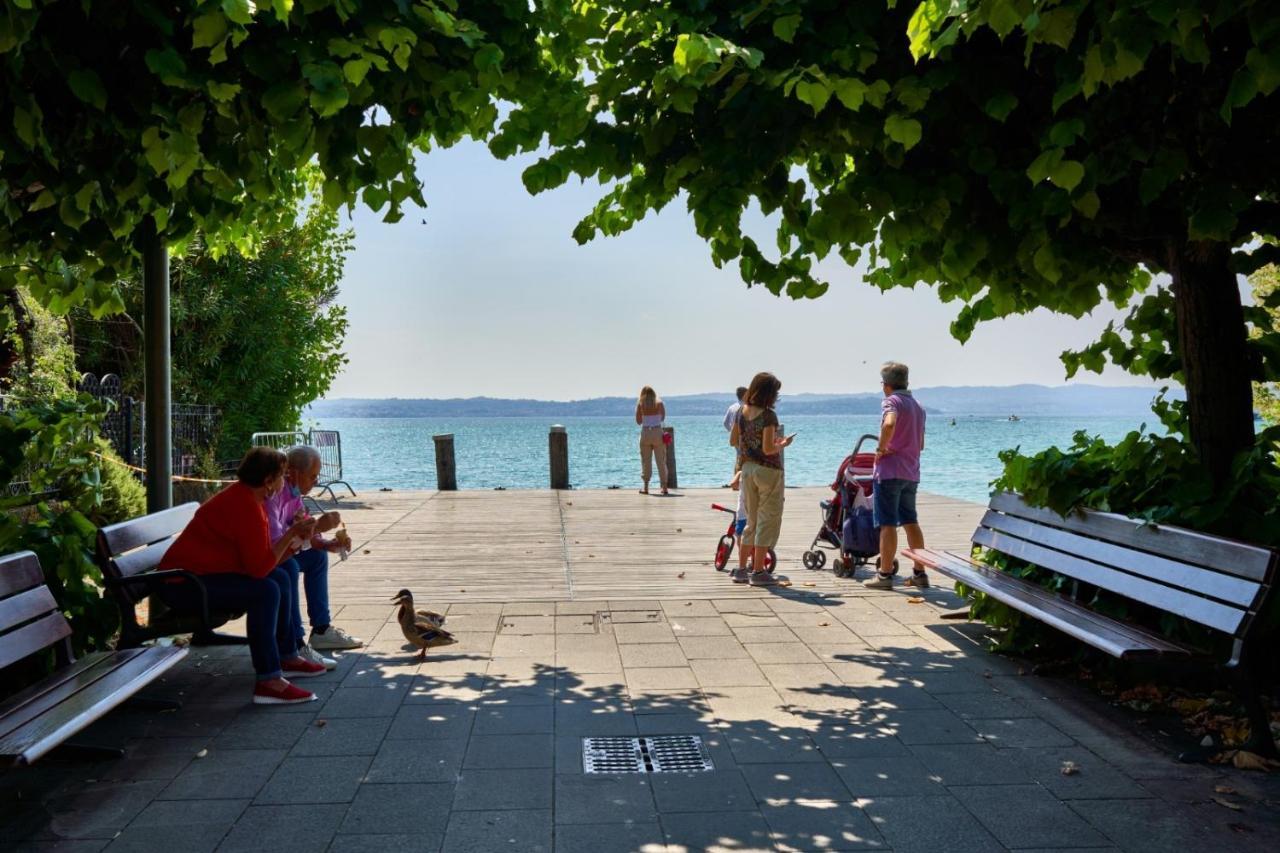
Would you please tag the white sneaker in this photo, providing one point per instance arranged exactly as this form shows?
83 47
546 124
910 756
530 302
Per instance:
335 638
312 656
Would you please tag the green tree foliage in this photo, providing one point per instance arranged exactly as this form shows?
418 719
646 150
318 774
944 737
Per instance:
259 337
1013 154
1266 297
36 359
123 118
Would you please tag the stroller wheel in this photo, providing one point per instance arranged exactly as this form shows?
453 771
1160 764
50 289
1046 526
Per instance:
837 567
724 550
821 558
895 565
809 559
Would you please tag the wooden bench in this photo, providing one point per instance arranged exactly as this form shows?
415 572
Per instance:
49 712
1219 583
128 553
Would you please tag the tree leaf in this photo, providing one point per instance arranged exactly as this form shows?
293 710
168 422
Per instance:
903 130
785 27
1067 174
1000 105
1088 204
815 93
284 99
1040 167
208 30
1046 263
87 86
850 91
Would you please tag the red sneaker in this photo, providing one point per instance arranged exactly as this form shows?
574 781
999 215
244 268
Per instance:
301 668
287 695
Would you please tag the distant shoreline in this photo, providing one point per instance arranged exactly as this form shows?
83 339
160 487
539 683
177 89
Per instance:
1020 400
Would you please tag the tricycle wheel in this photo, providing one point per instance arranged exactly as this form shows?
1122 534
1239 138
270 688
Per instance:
724 550
771 560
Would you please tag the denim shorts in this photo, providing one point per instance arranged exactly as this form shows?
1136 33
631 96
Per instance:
894 502
740 525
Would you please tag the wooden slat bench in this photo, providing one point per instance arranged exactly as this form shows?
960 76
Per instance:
128 553
49 712
1219 583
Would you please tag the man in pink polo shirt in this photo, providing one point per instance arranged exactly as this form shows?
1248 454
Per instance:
897 475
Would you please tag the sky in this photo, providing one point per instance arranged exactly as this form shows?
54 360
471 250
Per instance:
492 297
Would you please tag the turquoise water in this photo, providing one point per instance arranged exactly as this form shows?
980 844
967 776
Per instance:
959 461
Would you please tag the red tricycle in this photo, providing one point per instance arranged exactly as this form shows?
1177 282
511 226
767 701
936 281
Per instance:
724 548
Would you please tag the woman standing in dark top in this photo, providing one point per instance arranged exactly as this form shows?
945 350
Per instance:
755 434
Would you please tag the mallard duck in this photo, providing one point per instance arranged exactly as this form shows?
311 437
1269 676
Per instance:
420 627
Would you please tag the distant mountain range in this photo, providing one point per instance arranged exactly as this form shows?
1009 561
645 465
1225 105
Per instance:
1022 400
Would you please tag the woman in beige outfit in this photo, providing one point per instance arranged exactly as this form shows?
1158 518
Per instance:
650 413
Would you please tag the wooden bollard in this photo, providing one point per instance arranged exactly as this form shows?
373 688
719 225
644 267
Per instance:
669 444
558 450
446 470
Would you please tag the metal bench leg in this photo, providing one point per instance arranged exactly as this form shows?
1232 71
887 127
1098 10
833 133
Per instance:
213 638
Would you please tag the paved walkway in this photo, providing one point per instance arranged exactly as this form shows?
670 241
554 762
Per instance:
851 721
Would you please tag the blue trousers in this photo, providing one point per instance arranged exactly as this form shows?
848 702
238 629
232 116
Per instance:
313 565
268 604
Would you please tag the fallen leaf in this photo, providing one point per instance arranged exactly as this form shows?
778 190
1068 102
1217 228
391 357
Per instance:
1069 768
807 583
680 575
202 753
823 624
784 583
366 551
568 503
591 555
462 590
687 603
1227 804
320 724
915 600
1240 827
986 674
1223 789
679 530
1206 741
1245 760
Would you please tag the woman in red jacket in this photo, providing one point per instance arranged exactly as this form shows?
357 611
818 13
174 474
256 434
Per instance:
228 545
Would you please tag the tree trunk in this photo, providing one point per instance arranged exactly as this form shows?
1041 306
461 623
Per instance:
1214 351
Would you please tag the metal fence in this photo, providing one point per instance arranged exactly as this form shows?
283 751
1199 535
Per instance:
327 442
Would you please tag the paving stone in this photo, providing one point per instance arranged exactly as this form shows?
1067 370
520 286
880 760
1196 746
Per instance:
417 761
764 744
503 751
863 673
404 843
817 634
180 813
580 607
811 780
781 653
282 829
364 702
514 720
990 705
801 824
928 825
712 648
445 690
343 736
594 686
1149 826
1021 733
926 726
576 624
856 740
418 807
718 832
752 620
825 699
185 826
741 605
431 722
687 608
643 632
1027 816
665 678
589 662
954 681
327 779
1093 779
540 691
594 719
652 654
597 837
798 674
897 696
716 791
529 608
686 626
525 645
973 763
199 839
258 728
647 702
375 671
225 774
625 798
61 846
500 790
517 624
485 832
772 634
887 776
728 673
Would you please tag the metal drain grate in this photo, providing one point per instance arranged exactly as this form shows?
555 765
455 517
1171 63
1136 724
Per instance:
656 754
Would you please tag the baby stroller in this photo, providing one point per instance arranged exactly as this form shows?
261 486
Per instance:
847 523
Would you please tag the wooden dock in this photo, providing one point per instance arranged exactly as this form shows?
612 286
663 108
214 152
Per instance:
542 545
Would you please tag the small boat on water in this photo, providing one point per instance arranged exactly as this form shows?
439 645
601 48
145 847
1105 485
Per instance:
1014 418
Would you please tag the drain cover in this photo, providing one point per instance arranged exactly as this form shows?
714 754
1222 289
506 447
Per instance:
657 754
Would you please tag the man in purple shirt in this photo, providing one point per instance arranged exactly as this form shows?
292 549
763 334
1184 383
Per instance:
897 475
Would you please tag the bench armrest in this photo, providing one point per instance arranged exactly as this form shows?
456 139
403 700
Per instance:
153 579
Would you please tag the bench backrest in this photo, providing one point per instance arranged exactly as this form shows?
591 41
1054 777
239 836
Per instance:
137 545
30 620
1219 583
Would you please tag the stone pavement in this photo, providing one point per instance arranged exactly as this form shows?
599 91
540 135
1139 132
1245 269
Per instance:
854 722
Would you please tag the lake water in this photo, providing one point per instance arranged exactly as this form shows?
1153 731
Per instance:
959 461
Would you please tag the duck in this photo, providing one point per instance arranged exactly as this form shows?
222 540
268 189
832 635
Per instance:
420 627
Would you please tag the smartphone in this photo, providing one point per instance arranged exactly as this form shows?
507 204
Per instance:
793 435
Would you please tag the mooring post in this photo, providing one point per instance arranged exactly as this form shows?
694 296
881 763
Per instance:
446 470
669 443
558 449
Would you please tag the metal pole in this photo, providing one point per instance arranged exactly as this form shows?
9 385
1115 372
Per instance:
158 406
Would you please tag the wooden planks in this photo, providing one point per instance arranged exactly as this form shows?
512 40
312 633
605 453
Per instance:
127 535
578 545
